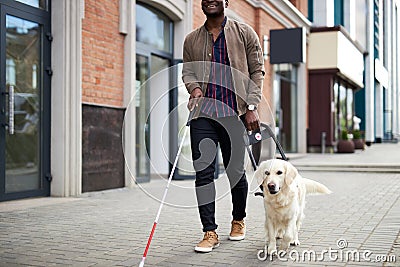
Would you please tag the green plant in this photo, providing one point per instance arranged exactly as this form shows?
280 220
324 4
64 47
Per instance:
344 135
356 134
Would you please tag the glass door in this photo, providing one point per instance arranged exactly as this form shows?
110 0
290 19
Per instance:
24 134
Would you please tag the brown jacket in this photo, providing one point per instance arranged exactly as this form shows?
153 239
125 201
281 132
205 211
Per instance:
245 56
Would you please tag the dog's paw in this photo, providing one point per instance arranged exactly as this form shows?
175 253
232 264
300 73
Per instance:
295 242
272 250
284 246
280 234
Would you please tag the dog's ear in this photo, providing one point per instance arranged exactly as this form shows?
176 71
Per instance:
291 173
260 174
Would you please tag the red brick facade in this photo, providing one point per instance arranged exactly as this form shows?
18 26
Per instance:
102 54
301 5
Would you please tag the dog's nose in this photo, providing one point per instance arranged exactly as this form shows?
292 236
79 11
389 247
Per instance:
271 186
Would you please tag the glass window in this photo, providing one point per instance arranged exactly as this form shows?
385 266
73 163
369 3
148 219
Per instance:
34 3
285 95
349 114
153 28
142 111
335 104
23 58
342 107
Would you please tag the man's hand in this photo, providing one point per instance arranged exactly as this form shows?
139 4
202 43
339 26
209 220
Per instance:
251 120
194 98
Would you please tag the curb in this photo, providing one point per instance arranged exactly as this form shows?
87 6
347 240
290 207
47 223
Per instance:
350 168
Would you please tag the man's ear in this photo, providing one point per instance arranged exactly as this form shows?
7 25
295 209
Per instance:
291 173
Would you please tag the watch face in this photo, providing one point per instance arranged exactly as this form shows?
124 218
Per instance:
251 107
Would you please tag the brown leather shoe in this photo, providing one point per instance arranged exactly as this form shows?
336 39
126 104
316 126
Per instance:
209 242
238 230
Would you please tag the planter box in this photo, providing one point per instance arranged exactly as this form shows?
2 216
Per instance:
345 146
358 143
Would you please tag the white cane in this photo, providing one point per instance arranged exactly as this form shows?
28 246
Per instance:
166 189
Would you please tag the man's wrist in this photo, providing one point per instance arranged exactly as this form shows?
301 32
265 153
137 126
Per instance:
251 107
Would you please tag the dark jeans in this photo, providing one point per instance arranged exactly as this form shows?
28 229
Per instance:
206 134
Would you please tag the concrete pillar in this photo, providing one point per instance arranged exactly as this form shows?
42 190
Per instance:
66 102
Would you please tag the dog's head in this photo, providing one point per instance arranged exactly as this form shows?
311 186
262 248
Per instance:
275 174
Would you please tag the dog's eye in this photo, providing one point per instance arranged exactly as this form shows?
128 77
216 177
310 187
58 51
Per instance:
279 172
267 172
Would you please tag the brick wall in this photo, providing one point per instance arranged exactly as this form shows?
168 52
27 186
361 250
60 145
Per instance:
245 11
102 54
198 15
268 23
301 5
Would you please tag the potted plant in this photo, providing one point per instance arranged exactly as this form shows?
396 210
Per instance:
344 144
358 140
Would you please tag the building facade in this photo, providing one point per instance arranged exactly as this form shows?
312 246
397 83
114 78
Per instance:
353 71
97 99
92 96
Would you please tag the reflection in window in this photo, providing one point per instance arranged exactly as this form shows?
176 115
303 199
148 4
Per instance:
23 60
342 107
11 76
34 76
349 109
335 109
153 28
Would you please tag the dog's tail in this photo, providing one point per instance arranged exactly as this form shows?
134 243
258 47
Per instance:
314 187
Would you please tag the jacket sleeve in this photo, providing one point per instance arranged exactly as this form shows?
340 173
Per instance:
189 76
255 63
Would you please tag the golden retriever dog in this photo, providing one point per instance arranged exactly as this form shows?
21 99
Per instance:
284 201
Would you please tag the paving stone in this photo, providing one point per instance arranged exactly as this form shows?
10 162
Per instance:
111 228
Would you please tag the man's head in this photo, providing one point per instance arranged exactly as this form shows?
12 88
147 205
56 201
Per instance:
214 8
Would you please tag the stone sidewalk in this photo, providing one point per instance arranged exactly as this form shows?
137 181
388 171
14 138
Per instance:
383 157
111 228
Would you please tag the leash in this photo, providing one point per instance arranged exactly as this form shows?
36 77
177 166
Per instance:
254 139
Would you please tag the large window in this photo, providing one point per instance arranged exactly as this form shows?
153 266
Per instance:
153 28
376 29
339 12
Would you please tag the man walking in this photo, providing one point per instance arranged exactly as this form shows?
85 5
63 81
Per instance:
223 72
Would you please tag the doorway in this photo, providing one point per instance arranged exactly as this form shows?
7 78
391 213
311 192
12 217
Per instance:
25 99
154 38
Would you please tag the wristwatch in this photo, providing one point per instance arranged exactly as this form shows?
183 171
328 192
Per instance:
251 107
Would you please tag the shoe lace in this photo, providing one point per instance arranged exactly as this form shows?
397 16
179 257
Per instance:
237 225
210 235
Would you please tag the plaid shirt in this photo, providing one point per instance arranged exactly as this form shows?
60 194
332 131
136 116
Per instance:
220 99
